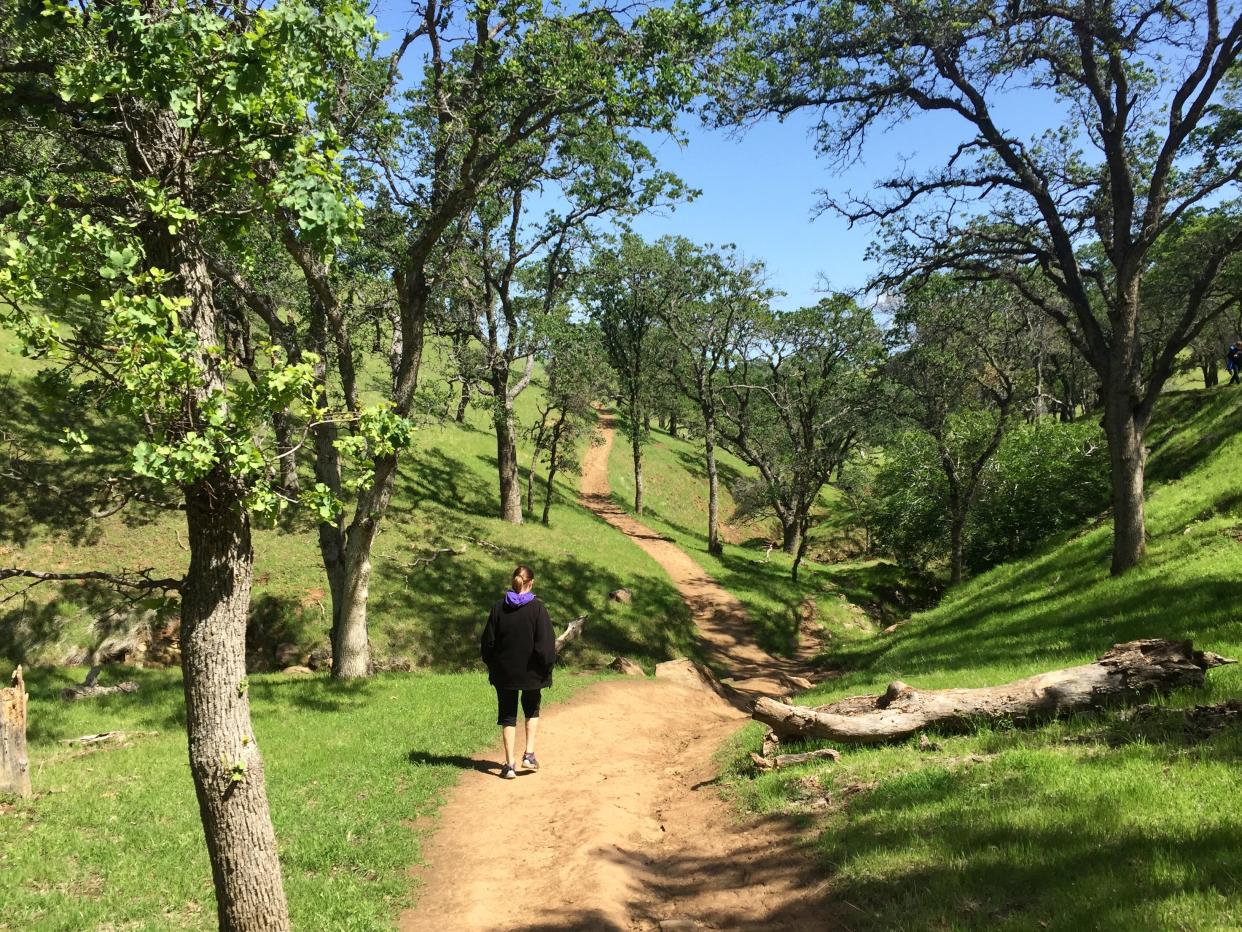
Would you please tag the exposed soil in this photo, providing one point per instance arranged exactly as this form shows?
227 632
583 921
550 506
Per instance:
623 827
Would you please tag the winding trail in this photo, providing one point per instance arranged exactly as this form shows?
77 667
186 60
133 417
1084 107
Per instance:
623 829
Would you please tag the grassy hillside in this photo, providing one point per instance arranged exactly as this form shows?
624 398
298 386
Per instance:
355 771
1099 822
446 497
851 601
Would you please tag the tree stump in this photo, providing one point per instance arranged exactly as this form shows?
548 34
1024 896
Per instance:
571 632
14 764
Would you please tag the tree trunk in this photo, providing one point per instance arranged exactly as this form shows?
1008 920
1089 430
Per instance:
1127 460
673 425
957 535
351 647
791 537
547 497
396 347
347 554
507 458
798 554
1211 374
351 642
1127 671
636 450
713 487
283 431
225 762
14 762
464 403
530 482
552 461
331 533
224 756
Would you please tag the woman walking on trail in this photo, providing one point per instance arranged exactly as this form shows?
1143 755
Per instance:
519 649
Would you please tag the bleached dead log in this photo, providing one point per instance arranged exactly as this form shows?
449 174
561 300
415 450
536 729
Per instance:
84 691
1126 671
789 760
108 737
14 763
572 631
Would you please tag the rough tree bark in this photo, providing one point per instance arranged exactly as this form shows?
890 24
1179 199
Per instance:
225 763
553 450
636 451
351 643
714 545
506 454
1126 671
791 534
224 755
1127 459
14 763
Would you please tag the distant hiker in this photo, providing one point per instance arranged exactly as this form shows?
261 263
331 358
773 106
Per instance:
519 649
1233 362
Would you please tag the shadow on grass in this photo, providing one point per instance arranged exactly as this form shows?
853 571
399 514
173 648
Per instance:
1064 602
37 413
156 706
430 476
992 848
455 601
693 463
1190 427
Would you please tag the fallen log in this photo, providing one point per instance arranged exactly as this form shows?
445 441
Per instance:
108 737
572 631
763 762
84 691
14 764
1126 671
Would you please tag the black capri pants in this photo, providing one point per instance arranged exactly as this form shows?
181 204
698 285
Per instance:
507 703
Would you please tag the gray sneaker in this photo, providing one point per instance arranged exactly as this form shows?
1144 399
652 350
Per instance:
508 773
529 762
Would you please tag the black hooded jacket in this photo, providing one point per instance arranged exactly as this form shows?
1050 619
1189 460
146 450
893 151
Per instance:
518 646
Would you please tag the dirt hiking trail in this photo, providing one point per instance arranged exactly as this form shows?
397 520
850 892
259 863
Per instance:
623 828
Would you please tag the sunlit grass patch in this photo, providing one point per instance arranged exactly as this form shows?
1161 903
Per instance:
113 838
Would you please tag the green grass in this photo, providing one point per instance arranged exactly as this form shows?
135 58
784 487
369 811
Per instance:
852 600
1096 822
446 497
354 771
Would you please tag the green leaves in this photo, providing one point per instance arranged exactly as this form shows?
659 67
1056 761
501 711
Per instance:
188 119
378 432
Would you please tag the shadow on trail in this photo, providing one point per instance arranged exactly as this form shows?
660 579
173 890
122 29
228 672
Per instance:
422 758
663 882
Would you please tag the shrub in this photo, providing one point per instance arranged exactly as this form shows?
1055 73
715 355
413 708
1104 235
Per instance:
1044 478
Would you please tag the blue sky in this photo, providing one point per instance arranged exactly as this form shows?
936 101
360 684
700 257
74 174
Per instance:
760 189
760 192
